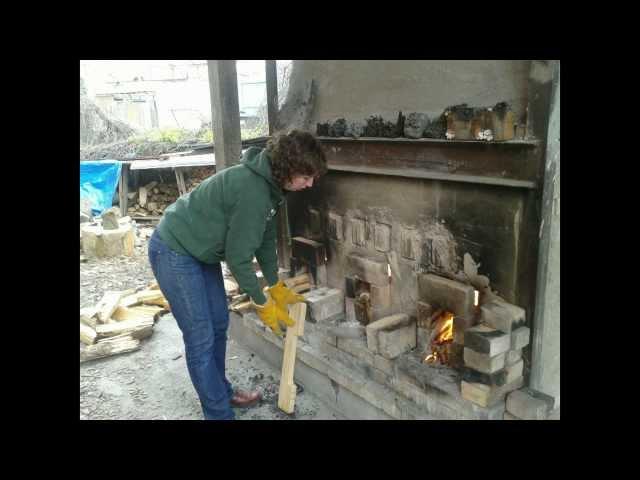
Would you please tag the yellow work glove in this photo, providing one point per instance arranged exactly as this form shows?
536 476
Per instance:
272 316
283 296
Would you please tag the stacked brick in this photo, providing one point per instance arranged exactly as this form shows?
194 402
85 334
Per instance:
493 364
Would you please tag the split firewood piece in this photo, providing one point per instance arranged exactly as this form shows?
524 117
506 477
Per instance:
288 389
154 286
153 297
240 298
87 334
298 280
122 344
231 287
149 295
129 301
137 328
108 304
434 317
303 287
241 307
124 313
146 309
88 316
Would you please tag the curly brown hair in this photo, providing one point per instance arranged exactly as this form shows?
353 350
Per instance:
295 153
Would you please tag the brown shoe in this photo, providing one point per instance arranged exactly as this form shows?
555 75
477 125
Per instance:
242 399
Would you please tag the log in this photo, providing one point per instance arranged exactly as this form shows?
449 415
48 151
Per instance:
87 334
106 349
288 390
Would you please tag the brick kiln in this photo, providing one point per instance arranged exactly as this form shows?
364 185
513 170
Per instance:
423 257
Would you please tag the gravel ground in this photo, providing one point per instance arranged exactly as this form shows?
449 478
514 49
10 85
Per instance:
153 383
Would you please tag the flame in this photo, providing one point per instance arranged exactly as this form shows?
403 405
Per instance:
446 332
444 336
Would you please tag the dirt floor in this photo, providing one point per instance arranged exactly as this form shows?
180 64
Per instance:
153 383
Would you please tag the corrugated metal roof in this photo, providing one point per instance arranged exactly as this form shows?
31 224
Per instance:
172 162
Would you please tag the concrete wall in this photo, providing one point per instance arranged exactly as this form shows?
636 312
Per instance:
356 89
545 372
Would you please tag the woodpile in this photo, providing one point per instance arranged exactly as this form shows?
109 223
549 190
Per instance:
118 322
197 175
154 197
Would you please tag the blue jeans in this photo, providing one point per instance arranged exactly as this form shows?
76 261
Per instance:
196 293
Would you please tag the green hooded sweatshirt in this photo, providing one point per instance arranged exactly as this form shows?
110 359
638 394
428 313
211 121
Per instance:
230 216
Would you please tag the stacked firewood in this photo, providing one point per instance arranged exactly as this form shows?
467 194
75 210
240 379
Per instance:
119 321
197 175
152 199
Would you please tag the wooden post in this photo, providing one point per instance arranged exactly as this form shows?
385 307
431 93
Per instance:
225 112
272 93
123 189
287 394
182 187
283 239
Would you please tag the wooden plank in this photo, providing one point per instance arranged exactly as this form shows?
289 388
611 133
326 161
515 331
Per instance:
87 334
176 154
287 394
106 349
205 160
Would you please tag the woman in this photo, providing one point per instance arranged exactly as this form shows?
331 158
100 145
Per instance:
231 217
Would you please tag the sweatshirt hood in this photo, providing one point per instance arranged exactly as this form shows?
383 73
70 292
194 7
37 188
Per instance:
257 160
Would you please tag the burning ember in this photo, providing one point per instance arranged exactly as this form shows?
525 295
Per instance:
440 339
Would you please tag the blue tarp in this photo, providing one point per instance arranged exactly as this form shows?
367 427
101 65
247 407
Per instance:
98 182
